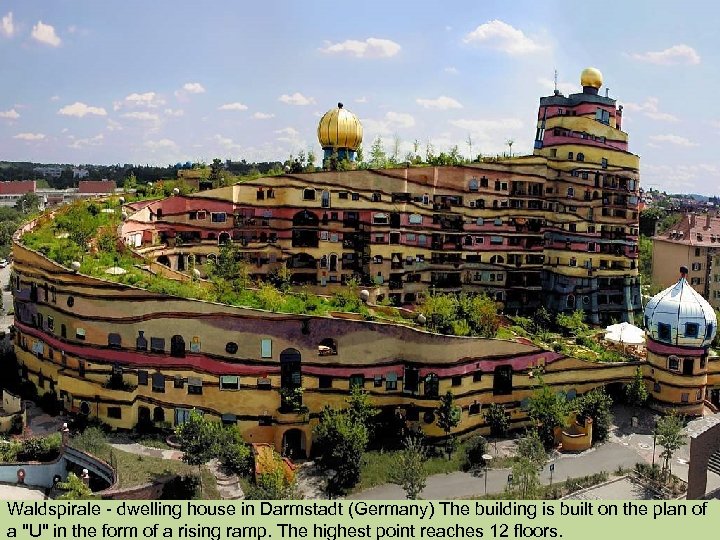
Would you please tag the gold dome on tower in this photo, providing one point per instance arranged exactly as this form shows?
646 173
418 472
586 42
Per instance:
591 77
340 129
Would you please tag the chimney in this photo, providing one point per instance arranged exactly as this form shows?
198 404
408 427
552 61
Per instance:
707 220
692 221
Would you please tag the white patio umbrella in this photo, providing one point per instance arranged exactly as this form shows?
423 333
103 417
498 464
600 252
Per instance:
625 333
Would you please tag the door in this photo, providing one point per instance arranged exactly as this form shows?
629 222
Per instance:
688 365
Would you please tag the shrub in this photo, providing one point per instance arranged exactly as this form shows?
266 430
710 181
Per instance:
475 448
40 448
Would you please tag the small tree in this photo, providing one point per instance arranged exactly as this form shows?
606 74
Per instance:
596 404
497 417
74 488
573 324
448 415
475 449
636 391
671 437
198 438
275 482
341 441
531 459
409 468
481 313
361 409
548 410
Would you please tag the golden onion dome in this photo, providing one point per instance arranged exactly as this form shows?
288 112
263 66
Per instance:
591 77
339 128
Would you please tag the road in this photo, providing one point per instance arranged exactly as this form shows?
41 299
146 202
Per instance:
607 457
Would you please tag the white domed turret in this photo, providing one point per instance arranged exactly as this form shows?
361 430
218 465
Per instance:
679 315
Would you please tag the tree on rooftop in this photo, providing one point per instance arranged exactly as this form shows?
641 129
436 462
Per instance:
573 324
378 157
481 313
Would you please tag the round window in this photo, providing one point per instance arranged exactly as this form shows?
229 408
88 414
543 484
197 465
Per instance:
70 301
231 348
429 417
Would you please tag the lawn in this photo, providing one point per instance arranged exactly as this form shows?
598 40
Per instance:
377 467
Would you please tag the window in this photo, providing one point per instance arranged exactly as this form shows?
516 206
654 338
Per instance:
380 219
477 376
695 281
570 192
157 344
357 380
377 381
377 196
684 397
266 348
229 382
202 214
308 194
80 334
708 331
231 348
114 341
324 381
142 378
580 156
656 387
355 196
457 380
70 300
570 155
218 217
342 195
50 323
114 412
691 330
502 380
473 184
432 385
415 219
391 381
474 409
194 386
178 382
604 163
673 363
664 332
411 379
158 383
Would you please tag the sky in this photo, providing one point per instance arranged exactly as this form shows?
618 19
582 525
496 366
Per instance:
166 81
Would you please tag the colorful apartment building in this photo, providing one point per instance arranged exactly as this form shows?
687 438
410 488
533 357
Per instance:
528 231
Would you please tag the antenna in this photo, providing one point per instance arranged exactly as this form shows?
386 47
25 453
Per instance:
607 92
555 78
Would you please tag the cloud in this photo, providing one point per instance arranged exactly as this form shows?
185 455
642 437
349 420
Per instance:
687 178
443 103
290 131
8 26
12 114
296 99
361 99
141 115
235 106
45 33
370 48
174 112
112 125
30 136
55 98
161 144
451 70
79 110
263 116
564 87
491 133
146 99
672 139
91 141
390 123
677 54
501 36
650 109
227 144
193 88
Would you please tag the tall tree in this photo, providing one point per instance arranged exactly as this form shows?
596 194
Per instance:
636 391
378 157
671 437
499 420
198 439
530 460
596 404
410 471
547 410
448 415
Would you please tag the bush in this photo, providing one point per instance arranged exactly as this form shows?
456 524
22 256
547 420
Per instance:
16 425
475 448
180 488
40 448
233 453
92 441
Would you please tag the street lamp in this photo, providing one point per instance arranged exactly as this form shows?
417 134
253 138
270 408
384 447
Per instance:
487 458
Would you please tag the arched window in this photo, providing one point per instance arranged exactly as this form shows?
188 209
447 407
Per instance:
306 219
571 301
570 192
325 199
432 385
177 346
308 194
580 156
497 259
158 414
473 184
224 238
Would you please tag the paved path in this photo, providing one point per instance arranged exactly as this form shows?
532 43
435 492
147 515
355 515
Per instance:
607 457
18 493
142 450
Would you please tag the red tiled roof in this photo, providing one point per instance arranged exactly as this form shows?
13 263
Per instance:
96 186
701 230
20 187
